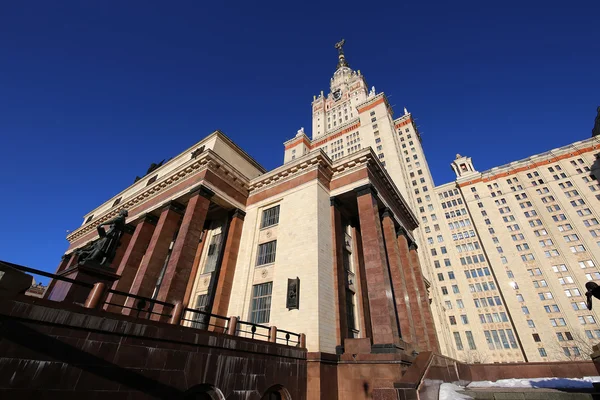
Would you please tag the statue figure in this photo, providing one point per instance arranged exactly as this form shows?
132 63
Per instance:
372 92
592 290
596 129
103 250
340 47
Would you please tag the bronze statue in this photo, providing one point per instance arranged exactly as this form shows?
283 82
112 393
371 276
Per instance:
593 290
103 250
340 46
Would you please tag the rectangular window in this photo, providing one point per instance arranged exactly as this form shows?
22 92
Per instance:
459 345
261 303
270 217
470 340
266 253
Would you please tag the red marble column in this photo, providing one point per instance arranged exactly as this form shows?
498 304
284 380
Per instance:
123 245
130 261
412 287
227 271
156 254
424 298
339 273
363 293
384 322
65 260
181 262
398 280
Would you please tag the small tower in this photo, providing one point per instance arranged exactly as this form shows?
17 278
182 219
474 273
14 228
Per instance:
463 166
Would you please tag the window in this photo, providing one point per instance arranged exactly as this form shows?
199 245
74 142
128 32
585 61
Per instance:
452 319
464 319
470 340
261 303
116 202
444 290
270 217
542 352
266 253
458 340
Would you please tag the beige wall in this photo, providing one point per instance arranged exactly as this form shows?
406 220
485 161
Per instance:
304 250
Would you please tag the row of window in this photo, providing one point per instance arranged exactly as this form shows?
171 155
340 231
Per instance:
500 339
487 301
470 341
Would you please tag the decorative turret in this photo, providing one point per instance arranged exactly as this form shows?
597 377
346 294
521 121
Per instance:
462 166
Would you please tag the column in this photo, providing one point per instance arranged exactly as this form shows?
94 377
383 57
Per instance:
130 261
156 254
384 323
123 245
197 257
363 293
181 262
64 261
398 280
425 306
339 273
413 292
227 270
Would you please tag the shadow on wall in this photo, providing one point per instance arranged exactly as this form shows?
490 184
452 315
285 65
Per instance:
60 365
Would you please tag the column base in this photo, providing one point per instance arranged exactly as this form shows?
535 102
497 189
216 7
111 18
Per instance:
363 349
89 273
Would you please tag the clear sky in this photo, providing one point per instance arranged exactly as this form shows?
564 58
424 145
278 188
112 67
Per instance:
92 92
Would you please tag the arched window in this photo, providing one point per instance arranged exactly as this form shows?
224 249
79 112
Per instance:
203 392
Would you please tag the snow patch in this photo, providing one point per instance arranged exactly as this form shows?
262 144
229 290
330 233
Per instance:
449 391
548 383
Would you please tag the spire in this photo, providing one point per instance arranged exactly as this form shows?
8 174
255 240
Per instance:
341 58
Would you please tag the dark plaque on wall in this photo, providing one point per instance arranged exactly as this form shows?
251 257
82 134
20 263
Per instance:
293 294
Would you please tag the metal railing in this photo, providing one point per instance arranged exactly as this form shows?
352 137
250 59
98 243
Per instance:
288 338
252 330
199 319
143 308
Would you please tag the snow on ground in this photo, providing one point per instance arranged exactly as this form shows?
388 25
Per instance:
449 391
550 383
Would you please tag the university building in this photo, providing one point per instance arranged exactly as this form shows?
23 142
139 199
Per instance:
350 239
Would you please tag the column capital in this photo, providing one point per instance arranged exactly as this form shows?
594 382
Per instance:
334 202
365 189
387 213
202 191
174 206
151 219
402 232
129 229
413 246
237 213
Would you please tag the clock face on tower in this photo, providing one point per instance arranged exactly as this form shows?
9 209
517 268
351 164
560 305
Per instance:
337 95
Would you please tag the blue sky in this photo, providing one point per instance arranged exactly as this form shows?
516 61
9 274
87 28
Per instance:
92 92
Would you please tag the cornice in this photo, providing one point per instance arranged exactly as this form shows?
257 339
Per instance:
309 162
367 158
208 160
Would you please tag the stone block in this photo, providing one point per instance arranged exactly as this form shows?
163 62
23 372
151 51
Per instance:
13 281
357 346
